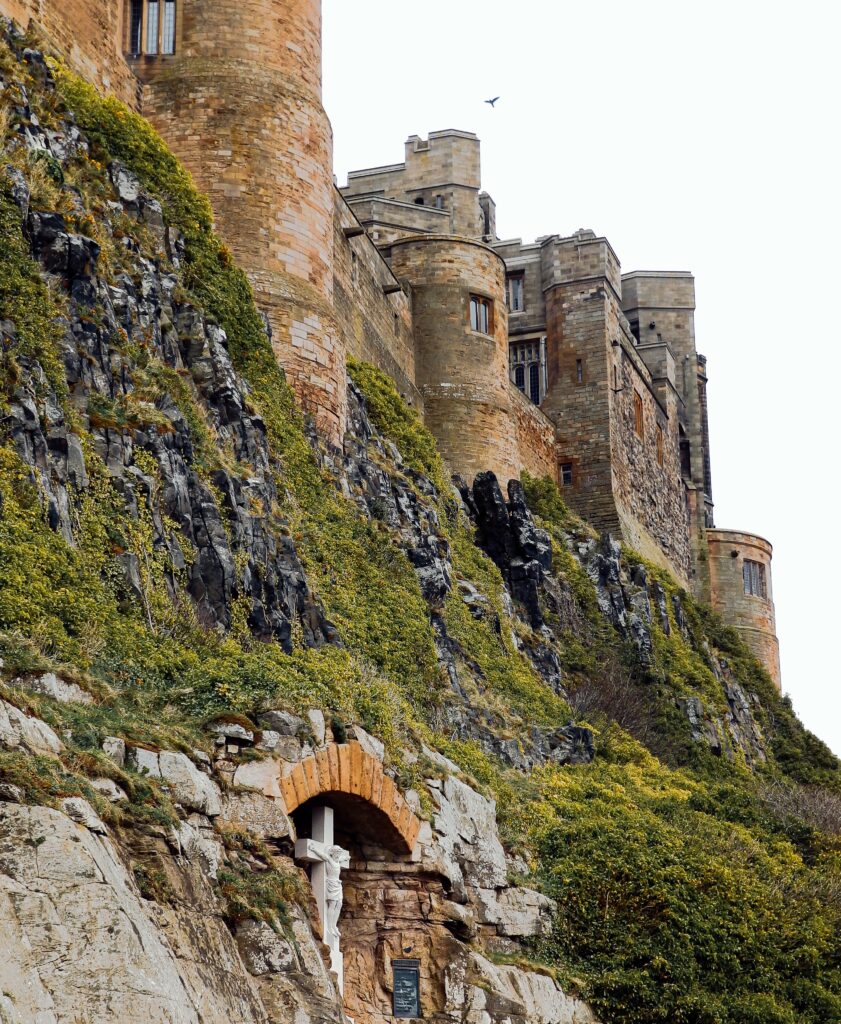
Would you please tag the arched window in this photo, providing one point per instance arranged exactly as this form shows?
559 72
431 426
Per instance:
534 383
520 377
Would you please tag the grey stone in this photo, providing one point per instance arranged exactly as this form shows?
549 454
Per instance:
115 748
80 811
110 790
48 684
263 950
11 794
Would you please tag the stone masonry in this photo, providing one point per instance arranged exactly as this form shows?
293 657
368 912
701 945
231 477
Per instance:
610 396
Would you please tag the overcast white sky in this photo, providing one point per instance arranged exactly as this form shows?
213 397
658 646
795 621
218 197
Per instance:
698 137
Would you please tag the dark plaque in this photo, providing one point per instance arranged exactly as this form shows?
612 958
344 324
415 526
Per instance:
406 988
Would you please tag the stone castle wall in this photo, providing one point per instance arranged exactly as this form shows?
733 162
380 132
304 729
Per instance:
89 34
462 374
753 616
535 437
240 105
375 323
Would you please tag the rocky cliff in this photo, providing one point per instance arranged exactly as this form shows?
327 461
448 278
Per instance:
201 605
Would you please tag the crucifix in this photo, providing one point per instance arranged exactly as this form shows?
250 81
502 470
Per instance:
327 861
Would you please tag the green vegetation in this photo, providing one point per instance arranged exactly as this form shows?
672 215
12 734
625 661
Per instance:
688 889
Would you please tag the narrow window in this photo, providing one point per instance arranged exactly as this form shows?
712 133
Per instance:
481 314
135 39
579 371
169 27
566 474
354 268
753 575
638 414
534 383
152 24
659 445
520 377
396 323
439 202
616 378
516 295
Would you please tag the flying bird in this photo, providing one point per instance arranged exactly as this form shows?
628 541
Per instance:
493 101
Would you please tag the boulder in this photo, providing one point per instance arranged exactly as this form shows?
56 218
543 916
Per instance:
48 684
20 730
190 787
80 811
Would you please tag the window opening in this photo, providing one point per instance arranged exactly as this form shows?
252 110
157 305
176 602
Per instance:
579 371
516 293
135 40
481 314
439 202
753 576
168 46
566 474
659 445
152 25
638 423
534 383
419 201
520 377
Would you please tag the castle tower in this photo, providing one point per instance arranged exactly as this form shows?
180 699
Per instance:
239 102
740 591
461 338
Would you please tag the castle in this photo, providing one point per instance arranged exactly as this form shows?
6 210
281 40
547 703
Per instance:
540 357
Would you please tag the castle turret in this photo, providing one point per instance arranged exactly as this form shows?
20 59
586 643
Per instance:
740 591
239 102
461 337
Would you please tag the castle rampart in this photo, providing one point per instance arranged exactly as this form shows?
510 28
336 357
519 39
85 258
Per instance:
461 337
372 310
741 592
240 104
538 356
90 34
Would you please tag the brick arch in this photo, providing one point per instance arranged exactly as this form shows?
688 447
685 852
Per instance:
347 768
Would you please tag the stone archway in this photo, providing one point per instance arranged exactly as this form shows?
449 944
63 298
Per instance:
349 769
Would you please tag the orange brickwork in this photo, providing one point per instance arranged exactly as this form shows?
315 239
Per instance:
462 373
347 768
240 104
89 34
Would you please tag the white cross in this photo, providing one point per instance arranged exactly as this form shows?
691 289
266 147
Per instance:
327 861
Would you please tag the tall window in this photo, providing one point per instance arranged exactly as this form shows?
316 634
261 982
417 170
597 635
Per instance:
753 576
152 26
439 202
660 456
579 371
566 474
135 39
534 383
168 39
638 424
520 377
516 293
481 314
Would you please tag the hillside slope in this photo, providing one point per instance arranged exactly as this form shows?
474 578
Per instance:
179 556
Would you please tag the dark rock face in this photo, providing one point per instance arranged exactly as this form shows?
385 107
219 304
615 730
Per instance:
216 527
507 533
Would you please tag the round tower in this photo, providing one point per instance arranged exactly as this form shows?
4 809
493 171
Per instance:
740 591
461 358
239 102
